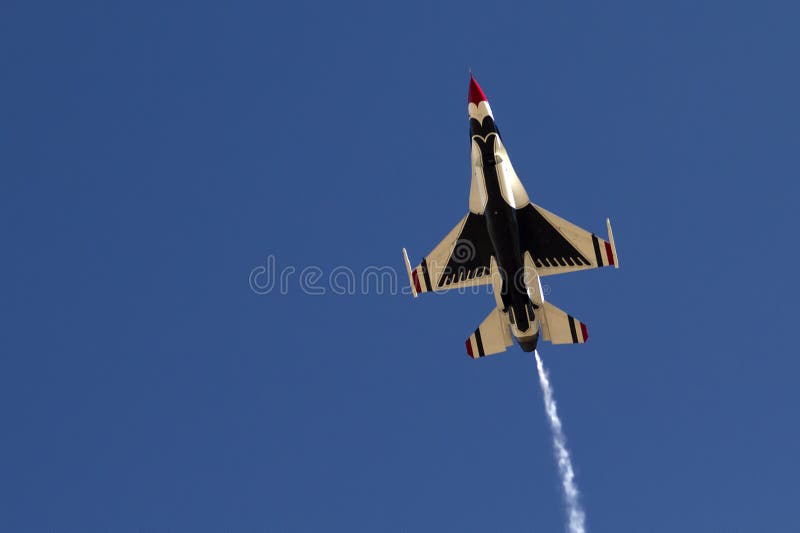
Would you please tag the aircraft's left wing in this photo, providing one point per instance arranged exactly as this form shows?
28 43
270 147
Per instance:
462 259
558 246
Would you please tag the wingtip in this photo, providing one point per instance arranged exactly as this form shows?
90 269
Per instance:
611 242
411 281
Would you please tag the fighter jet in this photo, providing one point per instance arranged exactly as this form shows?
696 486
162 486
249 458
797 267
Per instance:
508 242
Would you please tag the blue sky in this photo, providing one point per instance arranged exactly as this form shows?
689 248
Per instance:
152 155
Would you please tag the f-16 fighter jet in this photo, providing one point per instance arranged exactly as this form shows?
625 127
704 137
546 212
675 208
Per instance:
508 242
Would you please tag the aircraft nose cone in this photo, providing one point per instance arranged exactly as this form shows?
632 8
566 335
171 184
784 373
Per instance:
475 92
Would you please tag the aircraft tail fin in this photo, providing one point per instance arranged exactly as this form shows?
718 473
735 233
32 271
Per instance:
492 336
560 328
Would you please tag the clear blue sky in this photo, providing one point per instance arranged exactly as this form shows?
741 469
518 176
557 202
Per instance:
152 155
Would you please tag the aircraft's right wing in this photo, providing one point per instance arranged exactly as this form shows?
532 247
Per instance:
462 259
558 246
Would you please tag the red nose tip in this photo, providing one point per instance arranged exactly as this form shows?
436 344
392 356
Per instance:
475 92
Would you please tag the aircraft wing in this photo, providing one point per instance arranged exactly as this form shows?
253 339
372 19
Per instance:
558 246
462 259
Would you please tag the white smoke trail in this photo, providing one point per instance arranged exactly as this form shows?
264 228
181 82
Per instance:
577 516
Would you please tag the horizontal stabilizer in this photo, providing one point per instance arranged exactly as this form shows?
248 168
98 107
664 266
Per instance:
560 328
492 336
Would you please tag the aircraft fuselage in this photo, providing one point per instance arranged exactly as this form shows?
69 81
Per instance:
496 194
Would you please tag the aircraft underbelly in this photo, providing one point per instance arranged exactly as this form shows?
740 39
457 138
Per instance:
501 223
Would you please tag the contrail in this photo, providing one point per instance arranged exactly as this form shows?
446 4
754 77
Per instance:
577 516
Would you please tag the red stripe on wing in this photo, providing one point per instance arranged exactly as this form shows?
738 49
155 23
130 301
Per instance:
610 254
415 278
